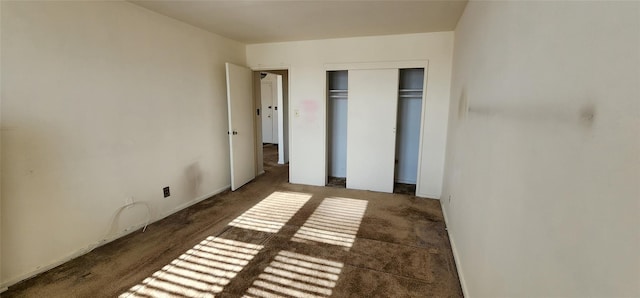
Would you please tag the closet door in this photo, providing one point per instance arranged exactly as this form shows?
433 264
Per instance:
371 129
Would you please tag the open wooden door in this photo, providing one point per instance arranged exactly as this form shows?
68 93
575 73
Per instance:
241 127
371 127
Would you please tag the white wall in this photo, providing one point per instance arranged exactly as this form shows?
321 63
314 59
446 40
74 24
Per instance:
306 61
103 101
545 201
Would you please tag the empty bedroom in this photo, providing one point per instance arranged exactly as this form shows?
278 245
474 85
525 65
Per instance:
319 148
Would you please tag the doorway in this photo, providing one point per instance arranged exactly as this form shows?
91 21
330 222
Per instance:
272 126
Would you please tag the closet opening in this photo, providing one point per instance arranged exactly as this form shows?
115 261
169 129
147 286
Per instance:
410 94
337 95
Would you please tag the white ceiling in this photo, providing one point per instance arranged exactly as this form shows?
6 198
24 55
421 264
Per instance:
273 21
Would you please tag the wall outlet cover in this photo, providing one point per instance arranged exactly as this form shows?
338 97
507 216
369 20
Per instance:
166 191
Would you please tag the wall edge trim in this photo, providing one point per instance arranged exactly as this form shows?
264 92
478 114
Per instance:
456 257
427 196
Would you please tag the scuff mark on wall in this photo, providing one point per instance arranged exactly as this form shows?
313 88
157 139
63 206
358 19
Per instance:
585 115
193 175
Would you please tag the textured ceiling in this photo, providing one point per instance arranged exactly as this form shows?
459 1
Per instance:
273 21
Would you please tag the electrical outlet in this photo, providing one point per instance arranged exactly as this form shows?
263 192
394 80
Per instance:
166 191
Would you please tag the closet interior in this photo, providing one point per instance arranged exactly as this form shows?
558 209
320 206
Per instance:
410 94
337 93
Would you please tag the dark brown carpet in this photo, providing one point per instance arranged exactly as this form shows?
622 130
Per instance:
398 188
404 189
267 239
337 182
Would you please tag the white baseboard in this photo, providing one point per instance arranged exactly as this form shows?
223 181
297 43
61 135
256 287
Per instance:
463 283
5 285
193 202
427 196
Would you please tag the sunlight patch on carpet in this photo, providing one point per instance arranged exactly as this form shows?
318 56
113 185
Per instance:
272 213
296 275
336 221
202 271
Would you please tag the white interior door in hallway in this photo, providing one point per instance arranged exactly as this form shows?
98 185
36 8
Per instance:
269 108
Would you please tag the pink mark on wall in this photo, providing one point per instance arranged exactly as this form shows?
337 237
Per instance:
310 110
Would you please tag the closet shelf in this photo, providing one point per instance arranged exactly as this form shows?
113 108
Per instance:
338 93
411 96
410 90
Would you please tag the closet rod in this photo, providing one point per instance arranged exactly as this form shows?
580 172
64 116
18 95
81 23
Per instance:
410 90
